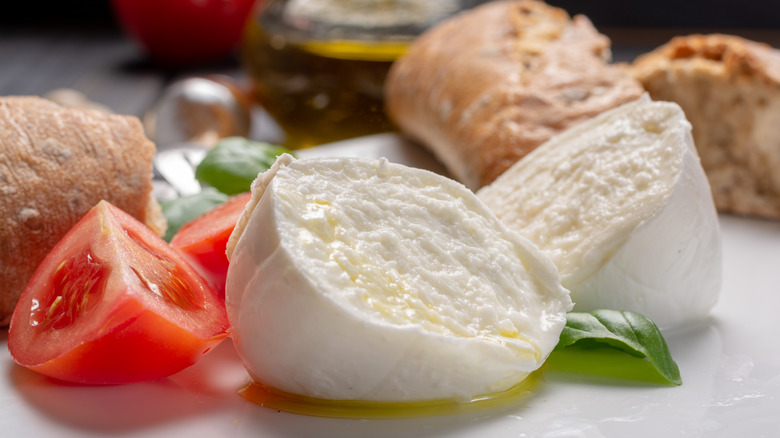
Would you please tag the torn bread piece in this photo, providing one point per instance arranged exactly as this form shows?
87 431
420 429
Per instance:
729 88
483 89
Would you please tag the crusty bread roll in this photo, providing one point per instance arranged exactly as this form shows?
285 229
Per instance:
486 87
729 88
55 165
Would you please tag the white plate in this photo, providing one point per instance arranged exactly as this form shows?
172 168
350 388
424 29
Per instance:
730 368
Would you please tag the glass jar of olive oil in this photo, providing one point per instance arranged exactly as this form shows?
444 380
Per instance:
319 66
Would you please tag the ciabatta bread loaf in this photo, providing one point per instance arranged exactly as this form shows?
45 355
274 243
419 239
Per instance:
486 87
729 88
56 164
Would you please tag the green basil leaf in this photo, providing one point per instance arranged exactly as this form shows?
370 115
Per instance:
179 211
628 332
234 162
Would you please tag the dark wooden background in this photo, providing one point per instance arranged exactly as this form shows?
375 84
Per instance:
47 44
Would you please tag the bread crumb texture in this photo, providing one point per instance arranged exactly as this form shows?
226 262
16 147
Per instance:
729 88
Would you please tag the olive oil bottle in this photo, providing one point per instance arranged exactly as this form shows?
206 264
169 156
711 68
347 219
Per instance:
319 66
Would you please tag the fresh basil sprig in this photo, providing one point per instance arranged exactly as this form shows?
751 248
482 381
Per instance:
628 332
234 162
228 168
179 211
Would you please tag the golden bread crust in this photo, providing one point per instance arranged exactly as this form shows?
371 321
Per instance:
55 165
486 87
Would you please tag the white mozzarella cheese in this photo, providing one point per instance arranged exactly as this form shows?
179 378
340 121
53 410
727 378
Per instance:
359 279
622 206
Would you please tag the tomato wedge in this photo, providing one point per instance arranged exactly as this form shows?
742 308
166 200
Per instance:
204 239
113 303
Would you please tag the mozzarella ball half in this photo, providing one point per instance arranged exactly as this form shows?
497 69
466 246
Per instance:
623 208
357 279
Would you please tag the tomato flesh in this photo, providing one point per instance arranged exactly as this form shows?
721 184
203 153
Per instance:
77 285
203 240
113 303
167 281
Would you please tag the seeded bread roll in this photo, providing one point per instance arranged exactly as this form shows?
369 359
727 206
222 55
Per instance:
56 164
486 87
729 88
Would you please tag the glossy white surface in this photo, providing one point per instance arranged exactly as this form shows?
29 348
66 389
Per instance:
730 367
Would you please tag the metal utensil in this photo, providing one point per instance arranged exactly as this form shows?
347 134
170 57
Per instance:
190 116
176 166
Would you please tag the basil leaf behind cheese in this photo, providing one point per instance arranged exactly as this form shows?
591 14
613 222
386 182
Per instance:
234 162
179 211
628 332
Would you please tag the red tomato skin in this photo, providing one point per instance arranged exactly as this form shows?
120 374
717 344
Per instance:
126 340
130 353
184 32
203 241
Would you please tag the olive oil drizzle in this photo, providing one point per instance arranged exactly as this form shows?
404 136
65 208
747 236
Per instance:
360 409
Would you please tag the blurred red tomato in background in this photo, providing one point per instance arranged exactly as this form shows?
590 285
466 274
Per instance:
185 32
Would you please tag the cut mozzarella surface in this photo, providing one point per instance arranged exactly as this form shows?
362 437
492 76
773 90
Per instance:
360 279
622 206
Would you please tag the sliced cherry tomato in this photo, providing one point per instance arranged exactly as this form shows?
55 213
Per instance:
113 303
204 239
183 32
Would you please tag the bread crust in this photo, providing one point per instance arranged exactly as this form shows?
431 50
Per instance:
729 88
56 163
486 87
